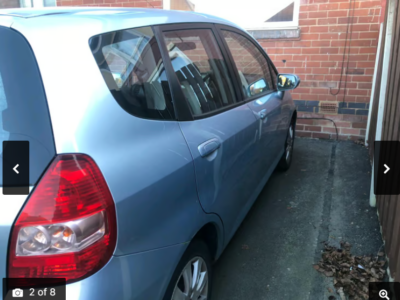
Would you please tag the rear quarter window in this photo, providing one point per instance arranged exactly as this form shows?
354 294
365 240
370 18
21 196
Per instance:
24 114
133 70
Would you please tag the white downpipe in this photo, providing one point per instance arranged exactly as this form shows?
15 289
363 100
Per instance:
382 94
371 101
167 4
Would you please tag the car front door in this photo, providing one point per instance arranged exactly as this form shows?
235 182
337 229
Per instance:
258 86
222 133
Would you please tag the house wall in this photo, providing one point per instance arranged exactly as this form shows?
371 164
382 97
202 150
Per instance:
317 57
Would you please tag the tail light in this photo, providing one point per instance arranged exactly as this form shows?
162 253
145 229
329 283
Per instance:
68 227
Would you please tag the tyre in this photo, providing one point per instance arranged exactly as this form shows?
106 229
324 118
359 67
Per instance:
192 277
286 159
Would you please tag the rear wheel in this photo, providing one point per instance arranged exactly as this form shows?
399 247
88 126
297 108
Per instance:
192 277
286 160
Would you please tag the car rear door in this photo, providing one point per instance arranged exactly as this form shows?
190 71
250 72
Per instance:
257 80
221 130
24 116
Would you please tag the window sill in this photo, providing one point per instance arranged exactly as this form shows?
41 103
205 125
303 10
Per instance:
276 33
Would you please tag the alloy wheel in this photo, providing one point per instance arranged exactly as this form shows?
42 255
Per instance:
192 284
289 143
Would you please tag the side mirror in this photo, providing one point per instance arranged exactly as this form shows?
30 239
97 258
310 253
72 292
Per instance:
287 82
257 87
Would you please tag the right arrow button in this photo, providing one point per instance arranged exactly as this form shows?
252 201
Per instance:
387 169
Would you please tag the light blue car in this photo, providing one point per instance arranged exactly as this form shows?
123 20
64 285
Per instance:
151 134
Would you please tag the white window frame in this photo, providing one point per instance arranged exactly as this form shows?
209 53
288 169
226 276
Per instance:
34 3
281 25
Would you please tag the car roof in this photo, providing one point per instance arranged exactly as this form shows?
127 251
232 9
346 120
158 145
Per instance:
110 18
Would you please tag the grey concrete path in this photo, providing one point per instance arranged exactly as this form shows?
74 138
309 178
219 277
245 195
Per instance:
323 197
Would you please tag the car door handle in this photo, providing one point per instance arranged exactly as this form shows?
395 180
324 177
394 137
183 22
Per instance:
209 147
262 114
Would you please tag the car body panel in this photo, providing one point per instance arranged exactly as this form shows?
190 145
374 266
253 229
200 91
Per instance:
225 178
140 276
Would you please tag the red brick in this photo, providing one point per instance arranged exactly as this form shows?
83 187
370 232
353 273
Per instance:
308 22
303 133
292 50
321 43
320 70
361 27
310 50
369 4
357 92
302 44
331 36
338 28
302 71
312 64
298 64
341 124
361 43
309 97
362 99
344 5
275 51
310 36
318 135
329 50
368 50
352 131
337 13
329 6
283 57
359 57
364 85
313 128
329 129
360 125
308 84
315 77
356 78
305 121
327 21
329 64
321 91
368 20
284 44
361 12
317 14
319 28
313 7
286 70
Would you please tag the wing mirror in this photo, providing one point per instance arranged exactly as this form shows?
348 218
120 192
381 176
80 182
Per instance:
287 82
257 87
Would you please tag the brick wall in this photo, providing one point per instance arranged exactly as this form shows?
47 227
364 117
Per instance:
317 58
9 4
112 3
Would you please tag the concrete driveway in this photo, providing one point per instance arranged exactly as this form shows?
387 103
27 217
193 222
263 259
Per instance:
323 197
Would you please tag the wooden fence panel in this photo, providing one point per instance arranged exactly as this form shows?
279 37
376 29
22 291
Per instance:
389 206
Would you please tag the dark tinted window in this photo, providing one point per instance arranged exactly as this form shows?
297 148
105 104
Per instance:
201 69
23 106
131 65
251 64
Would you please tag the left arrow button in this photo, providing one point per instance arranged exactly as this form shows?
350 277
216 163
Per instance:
15 169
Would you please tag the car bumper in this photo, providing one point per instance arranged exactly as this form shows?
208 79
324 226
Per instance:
141 276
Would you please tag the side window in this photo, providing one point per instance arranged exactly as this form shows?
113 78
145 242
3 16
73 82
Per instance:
201 69
131 64
251 64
